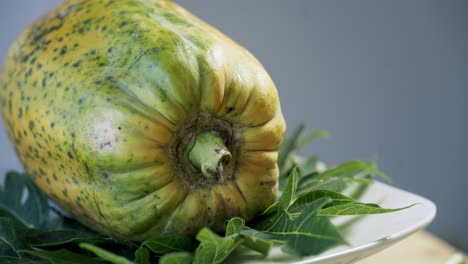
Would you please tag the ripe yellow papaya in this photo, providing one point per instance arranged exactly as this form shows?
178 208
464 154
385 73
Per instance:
140 119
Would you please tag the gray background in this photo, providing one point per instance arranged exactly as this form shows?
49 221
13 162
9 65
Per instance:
384 77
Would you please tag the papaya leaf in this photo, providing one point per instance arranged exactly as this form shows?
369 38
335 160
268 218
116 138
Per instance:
105 254
271 209
13 260
234 226
63 256
287 148
24 200
308 166
339 204
335 198
308 234
355 208
213 248
262 246
335 184
352 168
170 243
176 258
142 256
292 145
13 237
60 237
290 190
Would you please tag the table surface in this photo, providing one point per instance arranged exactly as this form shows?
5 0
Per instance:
421 247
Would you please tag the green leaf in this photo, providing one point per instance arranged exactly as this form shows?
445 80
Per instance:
13 260
335 198
142 256
313 135
234 226
176 258
213 248
262 246
308 166
332 184
308 234
60 237
32 211
355 208
287 148
13 237
105 254
170 243
63 256
289 192
339 204
293 144
271 209
352 168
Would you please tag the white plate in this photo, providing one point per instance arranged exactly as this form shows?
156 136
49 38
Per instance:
368 235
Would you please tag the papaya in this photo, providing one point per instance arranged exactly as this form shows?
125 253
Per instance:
140 119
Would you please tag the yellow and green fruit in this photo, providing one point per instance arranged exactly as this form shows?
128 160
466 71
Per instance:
140 119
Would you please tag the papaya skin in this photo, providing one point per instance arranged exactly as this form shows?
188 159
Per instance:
101 98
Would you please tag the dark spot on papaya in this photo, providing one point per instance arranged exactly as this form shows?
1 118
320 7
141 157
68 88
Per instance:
28 73
52 125
87 21
93 52
33 60
31 125
77 64
25 58
59 84
105 175
20 113
39 66
55 50
76 45
44 82
43 32
51 74
101 64
63 51
80 101
110 50
65 192
70 155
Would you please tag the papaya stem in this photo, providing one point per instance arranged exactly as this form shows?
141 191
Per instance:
208 154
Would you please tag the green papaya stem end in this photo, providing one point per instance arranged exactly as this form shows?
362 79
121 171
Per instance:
209 154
